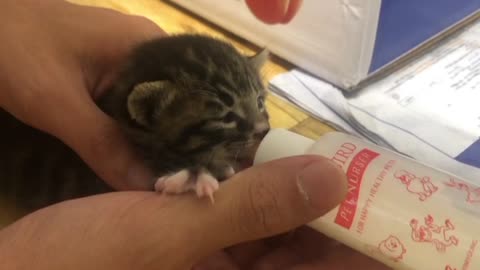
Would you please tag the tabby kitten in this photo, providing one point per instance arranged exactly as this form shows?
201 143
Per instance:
191 105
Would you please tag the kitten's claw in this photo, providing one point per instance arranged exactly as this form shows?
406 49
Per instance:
206 185
176 183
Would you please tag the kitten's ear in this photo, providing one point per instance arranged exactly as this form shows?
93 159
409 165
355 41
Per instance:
148 99
259 59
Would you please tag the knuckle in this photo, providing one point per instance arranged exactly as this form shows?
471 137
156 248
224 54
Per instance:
22 101
104 140
265 265
147 26
261 211
104 145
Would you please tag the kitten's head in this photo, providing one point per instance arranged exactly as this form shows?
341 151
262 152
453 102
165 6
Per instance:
203 100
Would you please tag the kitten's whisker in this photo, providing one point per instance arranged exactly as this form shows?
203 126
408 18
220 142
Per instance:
242 146
210 158
236 155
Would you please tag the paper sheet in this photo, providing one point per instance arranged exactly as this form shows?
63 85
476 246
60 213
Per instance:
429 110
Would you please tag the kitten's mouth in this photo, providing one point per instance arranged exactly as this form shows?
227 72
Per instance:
245 164
246 161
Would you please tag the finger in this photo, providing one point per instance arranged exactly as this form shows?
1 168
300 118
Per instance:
343 258
302 245
310 244
272 198
278 258
97 139
112 44
322 252
246 254
219 260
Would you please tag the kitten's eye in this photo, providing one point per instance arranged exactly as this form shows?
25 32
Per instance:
261 103
229 117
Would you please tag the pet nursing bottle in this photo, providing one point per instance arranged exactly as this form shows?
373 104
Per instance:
398 211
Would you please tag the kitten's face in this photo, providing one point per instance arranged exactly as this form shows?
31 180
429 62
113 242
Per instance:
211 107
223 124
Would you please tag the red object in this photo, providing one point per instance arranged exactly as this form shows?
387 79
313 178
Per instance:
355 172
274 11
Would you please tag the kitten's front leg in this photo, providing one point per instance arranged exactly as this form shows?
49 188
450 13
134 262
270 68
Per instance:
203 181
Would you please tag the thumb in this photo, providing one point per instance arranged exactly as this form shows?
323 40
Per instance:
98 140
273 198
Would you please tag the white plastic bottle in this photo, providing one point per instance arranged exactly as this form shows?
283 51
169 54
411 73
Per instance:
398 211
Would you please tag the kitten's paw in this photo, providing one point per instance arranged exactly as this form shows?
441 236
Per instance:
202 183
175 183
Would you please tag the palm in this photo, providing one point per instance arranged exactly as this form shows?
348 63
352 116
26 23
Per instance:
303 249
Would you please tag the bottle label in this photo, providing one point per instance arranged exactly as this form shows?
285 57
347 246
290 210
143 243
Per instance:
405 214
355 172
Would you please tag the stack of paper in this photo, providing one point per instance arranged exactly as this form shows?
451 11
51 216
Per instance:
428 110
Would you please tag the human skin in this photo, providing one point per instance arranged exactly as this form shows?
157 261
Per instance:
56 59
145 230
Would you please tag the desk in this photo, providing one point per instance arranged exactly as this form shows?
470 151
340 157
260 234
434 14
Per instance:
175 20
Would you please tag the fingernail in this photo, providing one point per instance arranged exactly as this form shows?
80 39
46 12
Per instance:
322 184
140 178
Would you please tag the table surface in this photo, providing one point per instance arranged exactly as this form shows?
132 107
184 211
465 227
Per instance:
173 19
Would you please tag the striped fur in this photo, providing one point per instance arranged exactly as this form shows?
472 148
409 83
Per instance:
185 102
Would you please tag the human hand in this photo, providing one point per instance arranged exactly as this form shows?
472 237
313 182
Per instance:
56 58
274 11
301 249
145 230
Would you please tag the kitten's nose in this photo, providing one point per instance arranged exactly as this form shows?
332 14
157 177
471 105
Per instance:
261 130
261 134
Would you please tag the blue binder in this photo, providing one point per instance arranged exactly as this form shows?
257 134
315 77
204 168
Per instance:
406 24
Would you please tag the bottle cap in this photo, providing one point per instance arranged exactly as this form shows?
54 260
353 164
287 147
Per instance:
280 143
